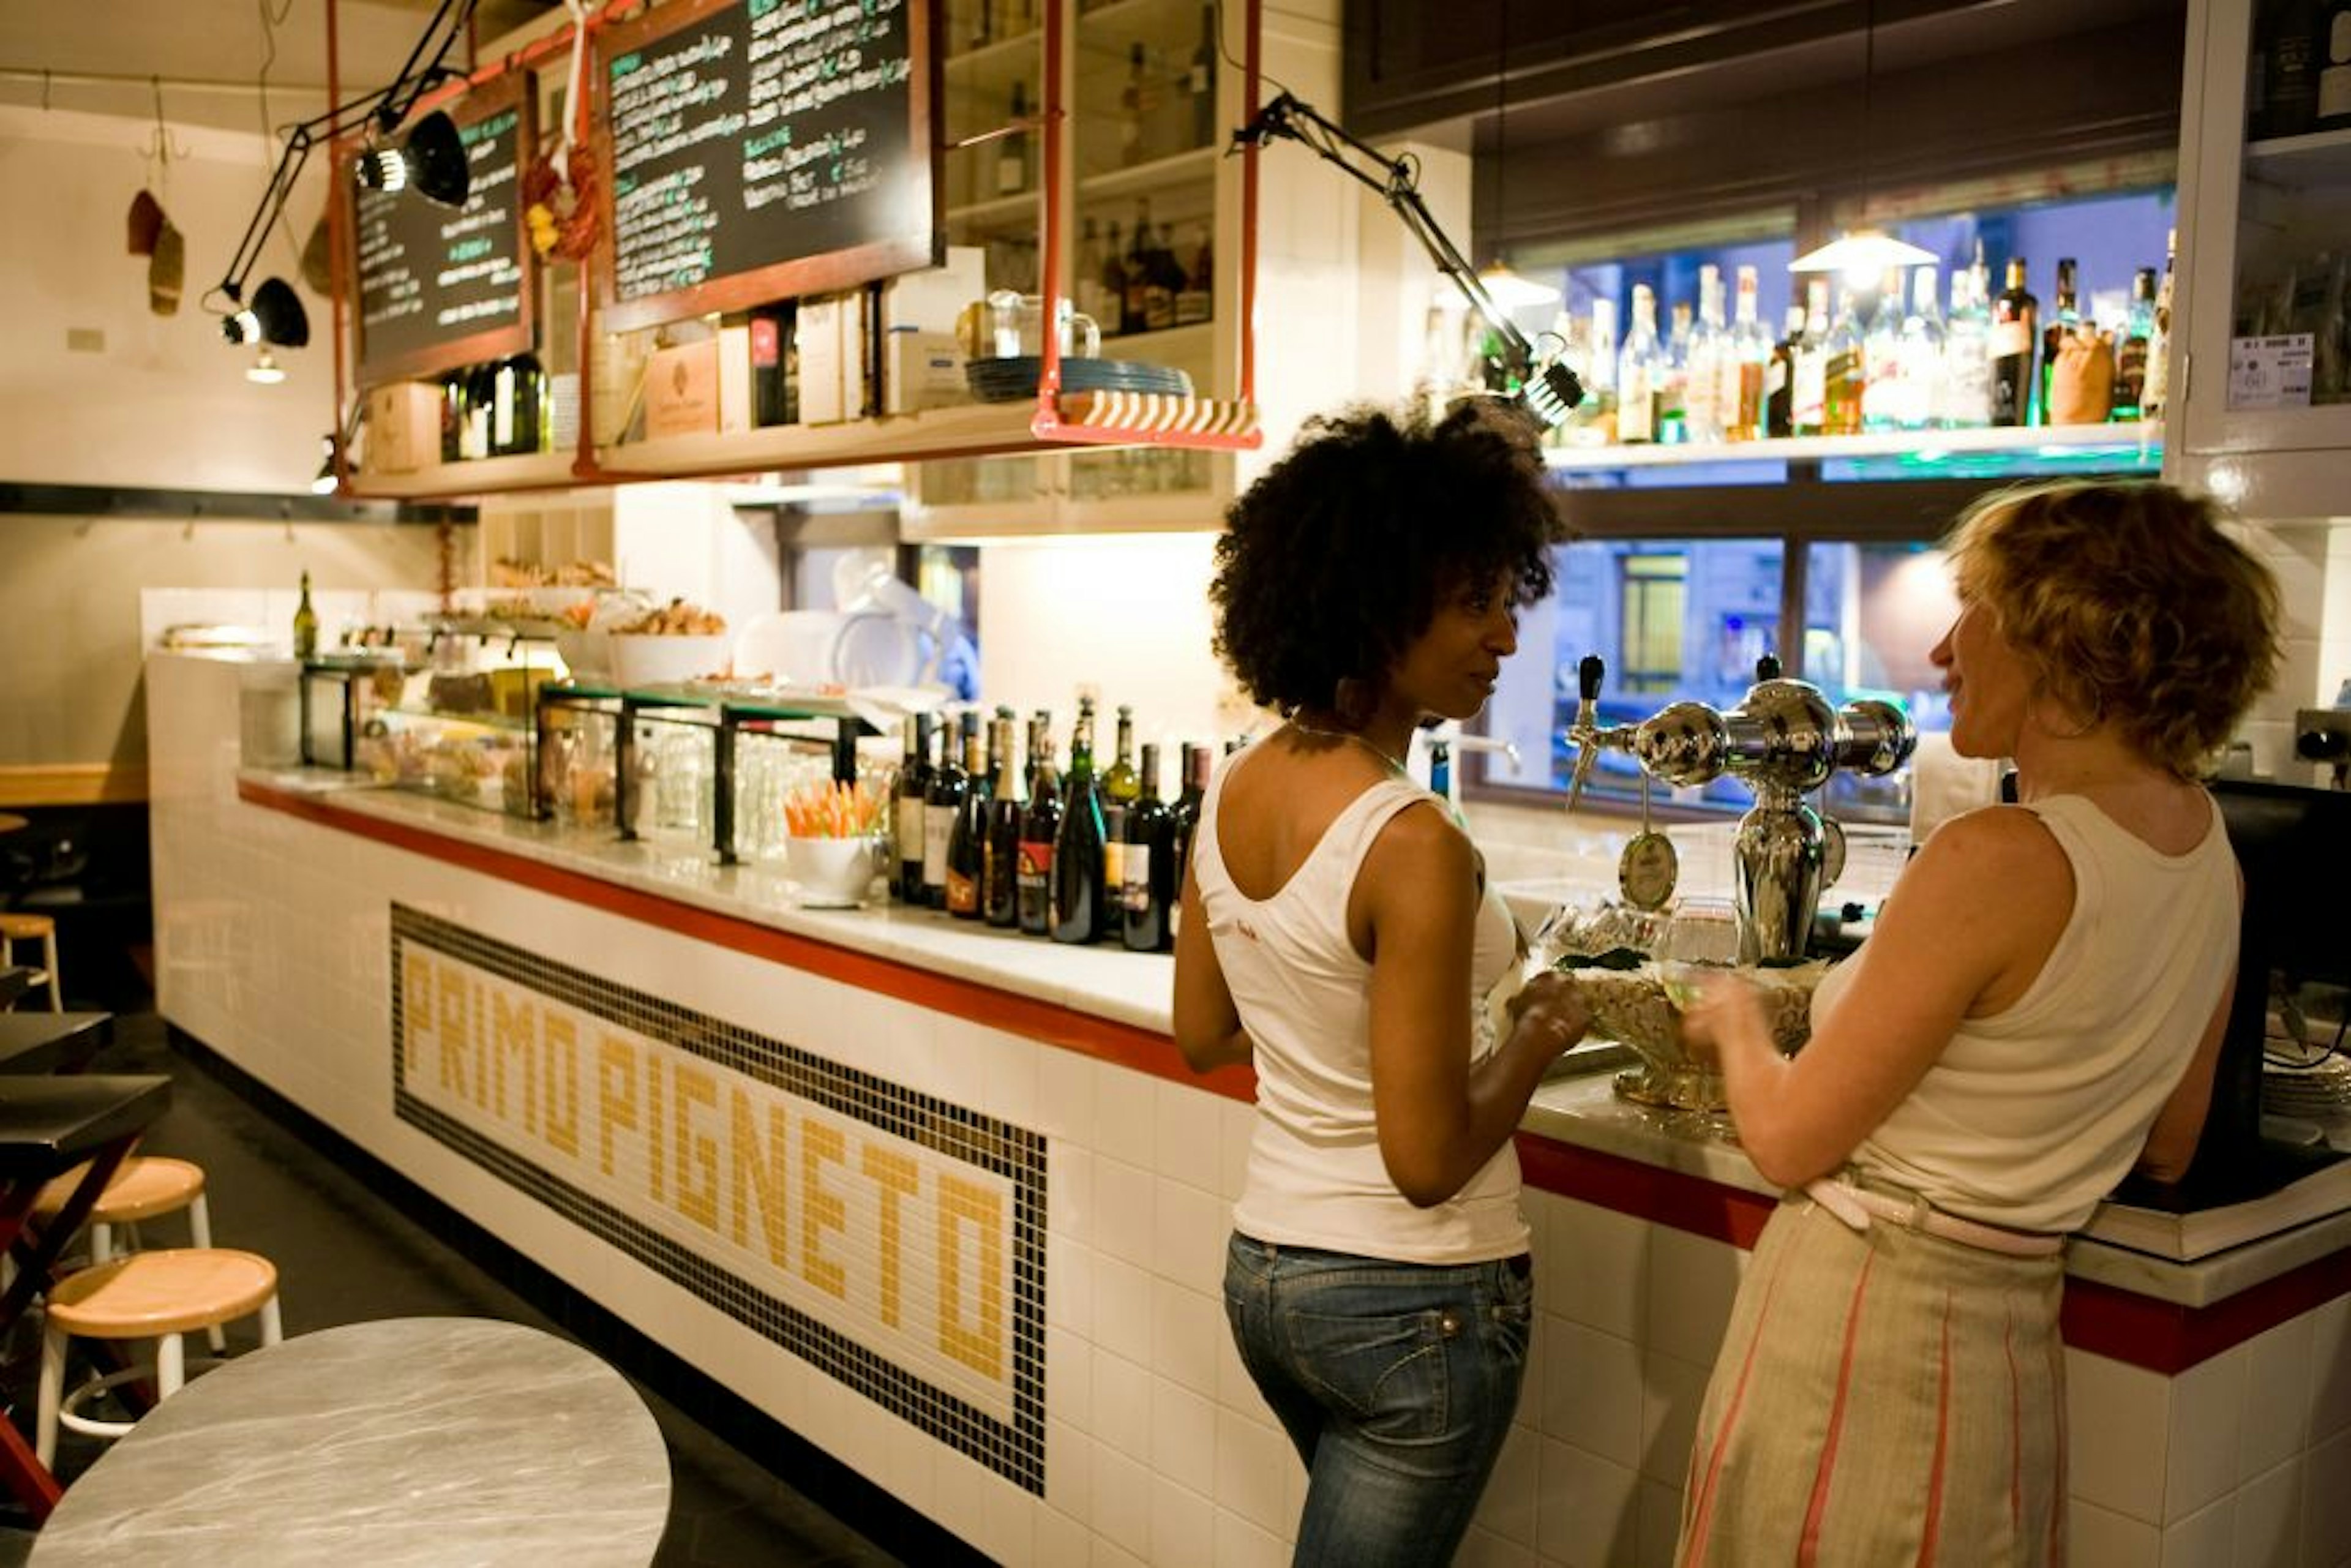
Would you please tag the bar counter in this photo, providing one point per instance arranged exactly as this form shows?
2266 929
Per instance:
946 1201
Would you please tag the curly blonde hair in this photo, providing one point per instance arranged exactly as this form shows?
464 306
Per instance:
2134 609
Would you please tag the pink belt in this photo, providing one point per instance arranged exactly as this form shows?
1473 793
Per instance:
1857 1206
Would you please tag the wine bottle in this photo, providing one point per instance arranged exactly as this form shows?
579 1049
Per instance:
775 380
1135 101
2131 347
1744 364
2016 330
1780 377
942 804
1000 897
1809 372
1639 364
1012 150
1704 349
1921 404
1110 313
1201 81
2295 48
906 819
1120 790
1844 373
1182 819
2334 62
305 625
2064 315
2156 392
967 841
1146 868
1077 905
1039 826
1966 380
1882 395
519 406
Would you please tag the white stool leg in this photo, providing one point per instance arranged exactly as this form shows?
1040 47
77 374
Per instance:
50 962
52 1393
269 1328
200 1231
101 1243
171 1366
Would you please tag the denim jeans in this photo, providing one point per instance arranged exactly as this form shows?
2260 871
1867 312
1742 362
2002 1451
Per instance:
1396 1381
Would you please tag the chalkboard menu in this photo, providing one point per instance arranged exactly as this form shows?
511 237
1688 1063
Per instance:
763 149
442 286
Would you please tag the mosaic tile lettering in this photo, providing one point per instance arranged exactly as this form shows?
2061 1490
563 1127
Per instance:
885 1235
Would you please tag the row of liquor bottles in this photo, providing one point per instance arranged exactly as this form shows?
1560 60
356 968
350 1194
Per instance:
1888 359
984 832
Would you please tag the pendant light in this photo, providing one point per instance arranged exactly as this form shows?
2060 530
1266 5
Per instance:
431 161
1506 288
1864 252
265 369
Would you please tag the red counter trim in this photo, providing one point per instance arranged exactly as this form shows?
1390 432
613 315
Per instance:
1144 1050
1629 1187
2169 1339
2098 1319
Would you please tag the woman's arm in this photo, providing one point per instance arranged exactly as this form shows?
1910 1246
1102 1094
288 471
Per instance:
1973 918
1207 1026
1439 1119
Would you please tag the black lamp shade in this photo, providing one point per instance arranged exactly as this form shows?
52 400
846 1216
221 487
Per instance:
437 166
275 316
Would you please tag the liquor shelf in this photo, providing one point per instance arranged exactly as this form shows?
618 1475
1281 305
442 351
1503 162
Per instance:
2142 442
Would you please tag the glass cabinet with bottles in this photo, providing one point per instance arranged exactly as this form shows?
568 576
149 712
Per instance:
2266 255
1152 212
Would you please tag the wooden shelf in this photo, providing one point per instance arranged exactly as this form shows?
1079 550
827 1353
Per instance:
1198 163
533 471
2142 438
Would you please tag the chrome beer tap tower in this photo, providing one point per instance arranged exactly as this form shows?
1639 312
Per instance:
1782 740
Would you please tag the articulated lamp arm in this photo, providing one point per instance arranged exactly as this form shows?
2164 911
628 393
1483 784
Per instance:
1550 392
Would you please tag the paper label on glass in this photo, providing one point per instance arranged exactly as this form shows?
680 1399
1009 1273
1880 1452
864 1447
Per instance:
2269 372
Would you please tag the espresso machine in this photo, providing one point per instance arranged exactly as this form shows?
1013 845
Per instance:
1782 740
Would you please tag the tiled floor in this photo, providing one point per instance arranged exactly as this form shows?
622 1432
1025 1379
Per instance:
346 1255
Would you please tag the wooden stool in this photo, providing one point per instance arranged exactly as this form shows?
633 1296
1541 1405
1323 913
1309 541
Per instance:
146 1295
146 1186
16 926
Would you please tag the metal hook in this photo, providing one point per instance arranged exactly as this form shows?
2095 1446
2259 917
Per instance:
162 145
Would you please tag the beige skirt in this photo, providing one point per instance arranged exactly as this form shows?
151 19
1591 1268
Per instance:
1882 1396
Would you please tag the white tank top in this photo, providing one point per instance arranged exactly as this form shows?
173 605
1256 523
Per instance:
2031 1117
1315 1176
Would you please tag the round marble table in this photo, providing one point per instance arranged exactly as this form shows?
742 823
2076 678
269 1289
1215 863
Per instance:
419 1441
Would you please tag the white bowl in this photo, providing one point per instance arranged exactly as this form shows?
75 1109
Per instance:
587 654
643 660
830 873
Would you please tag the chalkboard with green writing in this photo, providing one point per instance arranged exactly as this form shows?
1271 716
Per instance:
442 286
760 149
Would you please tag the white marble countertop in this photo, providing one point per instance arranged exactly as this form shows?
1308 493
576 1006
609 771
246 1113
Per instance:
1133 988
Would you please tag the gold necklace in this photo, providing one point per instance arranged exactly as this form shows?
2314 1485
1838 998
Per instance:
1302 727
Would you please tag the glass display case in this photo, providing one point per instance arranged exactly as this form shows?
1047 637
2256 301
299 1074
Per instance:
700 763
445 710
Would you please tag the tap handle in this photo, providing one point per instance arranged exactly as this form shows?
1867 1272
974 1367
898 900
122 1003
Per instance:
1588 673
1767 668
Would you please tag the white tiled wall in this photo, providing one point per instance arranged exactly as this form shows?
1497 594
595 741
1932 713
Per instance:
271 935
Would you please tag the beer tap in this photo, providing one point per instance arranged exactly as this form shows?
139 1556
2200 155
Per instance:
1782 740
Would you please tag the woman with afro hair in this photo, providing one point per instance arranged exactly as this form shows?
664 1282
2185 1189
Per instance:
1336 930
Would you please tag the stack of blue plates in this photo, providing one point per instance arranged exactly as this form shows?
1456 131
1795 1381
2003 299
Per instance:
1007 380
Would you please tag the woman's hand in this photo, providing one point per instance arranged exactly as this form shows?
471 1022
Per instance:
1726 1010
1550 1010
